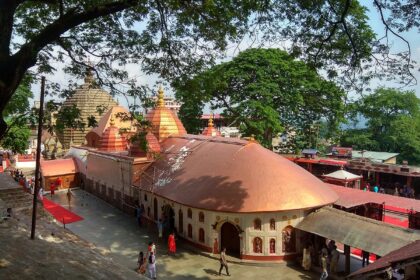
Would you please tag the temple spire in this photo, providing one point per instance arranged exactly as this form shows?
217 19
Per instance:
210 124
112 121
161 101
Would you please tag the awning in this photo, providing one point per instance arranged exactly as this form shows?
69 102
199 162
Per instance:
367 234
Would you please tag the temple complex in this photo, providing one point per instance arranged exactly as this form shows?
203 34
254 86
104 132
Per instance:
217 192
88 98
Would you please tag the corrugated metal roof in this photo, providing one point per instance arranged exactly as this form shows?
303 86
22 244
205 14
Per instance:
405 253
367 234
349 197
374 156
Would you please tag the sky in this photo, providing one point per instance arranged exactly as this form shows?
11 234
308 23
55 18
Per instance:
374 20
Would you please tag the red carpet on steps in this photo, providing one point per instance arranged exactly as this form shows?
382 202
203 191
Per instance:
60 213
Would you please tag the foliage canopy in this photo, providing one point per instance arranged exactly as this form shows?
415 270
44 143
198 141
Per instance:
264 91
175 39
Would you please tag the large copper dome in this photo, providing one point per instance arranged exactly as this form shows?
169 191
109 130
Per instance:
164 122
232 175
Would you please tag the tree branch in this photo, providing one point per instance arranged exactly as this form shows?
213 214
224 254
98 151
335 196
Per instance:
7 10
69 20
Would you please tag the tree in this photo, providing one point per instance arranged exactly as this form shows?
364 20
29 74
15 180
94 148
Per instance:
18 116
178 38
265 91
392 124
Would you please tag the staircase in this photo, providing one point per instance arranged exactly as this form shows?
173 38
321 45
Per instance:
12 195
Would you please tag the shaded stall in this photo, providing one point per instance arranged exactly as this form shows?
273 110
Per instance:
355 231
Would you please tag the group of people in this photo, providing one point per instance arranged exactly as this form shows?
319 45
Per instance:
328 257
405 191
148 262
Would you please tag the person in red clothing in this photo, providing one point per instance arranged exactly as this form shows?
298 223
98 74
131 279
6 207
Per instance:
52 189
171 244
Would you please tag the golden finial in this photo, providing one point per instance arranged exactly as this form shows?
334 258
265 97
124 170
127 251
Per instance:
112 122
211 121
161 101
89 75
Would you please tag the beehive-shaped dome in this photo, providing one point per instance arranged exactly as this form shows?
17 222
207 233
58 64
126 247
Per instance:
111 140
88 98
210 130
164 122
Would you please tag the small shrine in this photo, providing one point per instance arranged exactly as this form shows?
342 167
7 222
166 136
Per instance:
210 130
343 178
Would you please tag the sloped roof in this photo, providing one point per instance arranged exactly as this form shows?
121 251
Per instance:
225 174
406 253
58 167
360 232
105 121
349 197
342 175
374 156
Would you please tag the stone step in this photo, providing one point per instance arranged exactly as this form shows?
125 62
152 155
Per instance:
15 196
11 191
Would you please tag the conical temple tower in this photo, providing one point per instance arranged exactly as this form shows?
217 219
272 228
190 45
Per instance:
87 98
164 122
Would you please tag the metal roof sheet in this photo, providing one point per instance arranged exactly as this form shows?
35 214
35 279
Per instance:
367 234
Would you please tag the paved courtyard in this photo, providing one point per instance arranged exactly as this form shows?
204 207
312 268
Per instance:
118 233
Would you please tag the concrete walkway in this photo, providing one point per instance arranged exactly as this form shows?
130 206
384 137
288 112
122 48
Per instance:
118 233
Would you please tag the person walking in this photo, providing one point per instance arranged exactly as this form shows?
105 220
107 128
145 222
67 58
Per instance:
69 197
335 256
152 265
324 257
365 258
139 214
223 262
171 244
52 189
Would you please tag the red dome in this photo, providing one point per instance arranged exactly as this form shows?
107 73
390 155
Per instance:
232 175
112 141
153 146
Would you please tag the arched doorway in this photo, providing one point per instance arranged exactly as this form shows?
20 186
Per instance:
230 239
168 218
155 209
180 221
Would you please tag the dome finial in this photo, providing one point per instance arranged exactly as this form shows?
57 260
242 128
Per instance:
112 121
161 101
89 75
210 124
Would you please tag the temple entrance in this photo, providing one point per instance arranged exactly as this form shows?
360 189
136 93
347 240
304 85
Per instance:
168 219
230 239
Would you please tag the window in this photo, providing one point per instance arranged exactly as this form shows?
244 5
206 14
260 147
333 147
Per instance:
272 246
257 245
189 213
180 221
145 197
148 211
289 239
201 217
201 235
272 224
189 230
257 224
